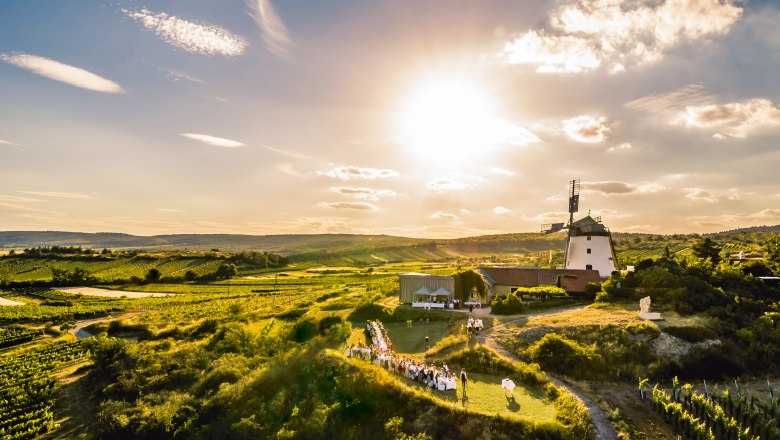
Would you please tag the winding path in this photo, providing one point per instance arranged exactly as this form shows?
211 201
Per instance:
602 427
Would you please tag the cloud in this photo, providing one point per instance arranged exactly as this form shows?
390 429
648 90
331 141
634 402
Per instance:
275 35
555 198
547 217
177 75
625 146
738 119
213 140
288 153
614 187
701 195
441 215
551 54
587 128
505 172
348 205
169 210
204 39
62 195
690 95
500 210
446 185
4 198
587 34
4 142
287 168
358 173
57 71
363 193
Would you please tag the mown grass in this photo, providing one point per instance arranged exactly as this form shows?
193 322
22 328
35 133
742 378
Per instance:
412 339
483 394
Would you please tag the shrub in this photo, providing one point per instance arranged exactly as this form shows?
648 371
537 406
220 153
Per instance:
508 305
562 355
592 288
691 334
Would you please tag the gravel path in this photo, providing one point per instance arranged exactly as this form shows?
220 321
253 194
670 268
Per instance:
602 427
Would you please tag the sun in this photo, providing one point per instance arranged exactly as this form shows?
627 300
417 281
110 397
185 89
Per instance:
448 119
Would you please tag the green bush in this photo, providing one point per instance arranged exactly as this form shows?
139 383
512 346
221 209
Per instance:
592 288
562 355
508 305
691 334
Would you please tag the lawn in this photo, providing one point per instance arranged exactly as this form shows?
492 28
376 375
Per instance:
412 339
485 395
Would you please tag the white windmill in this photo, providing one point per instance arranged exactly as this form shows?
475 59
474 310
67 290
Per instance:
588 242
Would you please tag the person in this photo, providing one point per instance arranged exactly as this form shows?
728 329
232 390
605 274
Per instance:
463 379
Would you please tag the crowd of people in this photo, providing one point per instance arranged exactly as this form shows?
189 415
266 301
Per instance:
381 353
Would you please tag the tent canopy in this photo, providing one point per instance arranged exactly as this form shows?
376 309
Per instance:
423 291
441 291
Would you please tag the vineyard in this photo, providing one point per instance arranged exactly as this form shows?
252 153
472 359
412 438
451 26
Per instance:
740 415
27 385
15 336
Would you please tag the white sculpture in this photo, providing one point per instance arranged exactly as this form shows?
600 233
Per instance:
644 310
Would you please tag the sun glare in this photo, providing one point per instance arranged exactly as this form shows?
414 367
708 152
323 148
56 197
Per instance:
449 120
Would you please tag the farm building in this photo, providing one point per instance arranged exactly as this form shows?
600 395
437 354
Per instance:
422 287
504 280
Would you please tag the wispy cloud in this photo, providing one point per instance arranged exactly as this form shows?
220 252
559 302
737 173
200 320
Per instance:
213 140
447 185
275 35
690 95
169 210
587 34
201 38
441 215
625 146
58 71
349 205
615 187
500 210
738 119
288 153
351 172
505 172
364 193
4 142
62 195
4 198
589 129
177 75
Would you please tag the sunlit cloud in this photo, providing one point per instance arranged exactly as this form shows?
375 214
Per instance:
275 35
364 193
587 128
4 142
547 217
700 195
169 210
500 210
358 173
58 71
738 119
551 54
616 188
441 215
348 205
502 171
288 153
676 100
587 34
213 140
446 185
288 168
625 146
201 38
62 195
5 198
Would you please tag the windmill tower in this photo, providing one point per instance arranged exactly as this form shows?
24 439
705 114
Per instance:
588 241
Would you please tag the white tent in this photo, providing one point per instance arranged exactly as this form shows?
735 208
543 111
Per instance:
441 291
423 291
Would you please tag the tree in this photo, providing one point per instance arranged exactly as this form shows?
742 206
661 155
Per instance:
225 271
152 276
772 253
190 276
706 248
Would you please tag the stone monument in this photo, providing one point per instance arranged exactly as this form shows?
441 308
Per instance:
644 310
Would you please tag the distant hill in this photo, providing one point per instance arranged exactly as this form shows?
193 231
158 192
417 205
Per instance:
528 248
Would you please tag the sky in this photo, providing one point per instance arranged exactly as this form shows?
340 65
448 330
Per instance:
420 118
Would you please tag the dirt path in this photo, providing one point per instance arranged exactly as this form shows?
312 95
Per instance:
79 332
602 427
